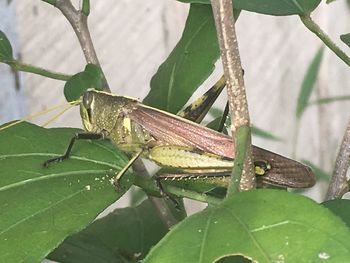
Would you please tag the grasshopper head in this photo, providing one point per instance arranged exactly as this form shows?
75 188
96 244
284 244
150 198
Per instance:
100 111
96 110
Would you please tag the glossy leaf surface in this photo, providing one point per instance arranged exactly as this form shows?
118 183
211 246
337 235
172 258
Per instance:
263 225
125 235
189 64
90 78
340 207
40 207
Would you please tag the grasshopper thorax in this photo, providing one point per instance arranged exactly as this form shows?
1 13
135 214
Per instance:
106 113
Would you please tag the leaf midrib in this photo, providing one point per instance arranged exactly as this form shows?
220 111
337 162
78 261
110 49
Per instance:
74 157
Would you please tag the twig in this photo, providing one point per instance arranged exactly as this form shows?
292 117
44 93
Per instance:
329 100
161 206
17 65
163 211
338 185
313 27
78 21
243 174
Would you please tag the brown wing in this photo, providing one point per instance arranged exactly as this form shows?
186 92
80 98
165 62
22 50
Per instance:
173 130
284 171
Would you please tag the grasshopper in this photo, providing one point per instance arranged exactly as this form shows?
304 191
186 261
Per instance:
172 141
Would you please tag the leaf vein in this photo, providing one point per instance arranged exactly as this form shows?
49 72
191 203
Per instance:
42 210
252 237
44 177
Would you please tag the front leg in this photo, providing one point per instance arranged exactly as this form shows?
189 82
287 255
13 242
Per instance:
77 136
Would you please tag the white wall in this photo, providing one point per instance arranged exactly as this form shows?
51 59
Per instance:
12 102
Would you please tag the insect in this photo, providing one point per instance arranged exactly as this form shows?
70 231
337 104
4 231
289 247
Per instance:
172 141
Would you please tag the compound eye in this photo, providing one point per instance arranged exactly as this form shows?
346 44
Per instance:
88 98
262 167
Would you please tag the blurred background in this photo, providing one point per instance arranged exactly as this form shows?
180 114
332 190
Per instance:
132 38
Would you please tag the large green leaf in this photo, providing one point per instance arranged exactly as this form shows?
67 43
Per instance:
308 83
189 64
271 7
5 47
40 207
264 225
340 207
126 235
90 78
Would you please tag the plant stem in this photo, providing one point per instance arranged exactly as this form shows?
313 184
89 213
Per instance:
160 205
338 185
329 100
313 27
150 187
242 140
78 21
242 172
17 65
180 192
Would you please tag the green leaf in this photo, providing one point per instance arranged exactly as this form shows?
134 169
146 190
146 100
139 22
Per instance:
85 9
327 100
125 235
308 83
271 7
5 47
40 206
188 65
340 207
90 78
51 2
173 78
137 195
264 134
215 112
214 125
264 225
320 174
346 39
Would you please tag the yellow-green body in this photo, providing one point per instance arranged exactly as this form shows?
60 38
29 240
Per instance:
171 141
